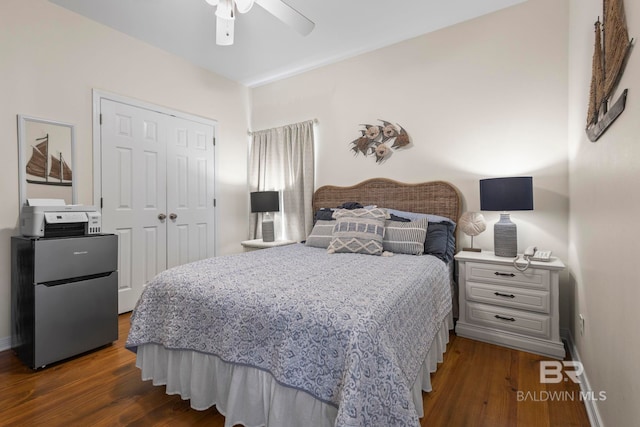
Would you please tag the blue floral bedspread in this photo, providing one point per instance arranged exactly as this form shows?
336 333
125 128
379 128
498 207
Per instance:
350 329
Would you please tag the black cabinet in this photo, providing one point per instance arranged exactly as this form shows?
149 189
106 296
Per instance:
64 296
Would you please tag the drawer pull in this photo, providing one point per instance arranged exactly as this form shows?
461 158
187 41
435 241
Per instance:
504 295
510 319
497 273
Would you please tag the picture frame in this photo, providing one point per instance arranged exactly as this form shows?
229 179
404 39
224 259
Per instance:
46 159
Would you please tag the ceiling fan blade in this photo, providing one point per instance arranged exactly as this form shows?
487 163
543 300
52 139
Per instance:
244 6
288 15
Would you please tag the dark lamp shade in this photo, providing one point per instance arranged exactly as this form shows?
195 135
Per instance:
265 201
506 194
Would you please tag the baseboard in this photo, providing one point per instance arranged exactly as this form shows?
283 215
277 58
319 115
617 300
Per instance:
590 405
5 343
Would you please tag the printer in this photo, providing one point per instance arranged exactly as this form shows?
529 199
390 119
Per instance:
54 218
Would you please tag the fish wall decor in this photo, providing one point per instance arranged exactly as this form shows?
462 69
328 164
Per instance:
380 141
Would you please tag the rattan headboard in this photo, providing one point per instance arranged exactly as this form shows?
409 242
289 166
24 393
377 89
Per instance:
435 197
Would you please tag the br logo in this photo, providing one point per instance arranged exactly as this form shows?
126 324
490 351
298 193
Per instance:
555 371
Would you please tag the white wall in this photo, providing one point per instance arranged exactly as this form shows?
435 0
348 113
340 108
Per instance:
481 99
484 98
51 59
603 237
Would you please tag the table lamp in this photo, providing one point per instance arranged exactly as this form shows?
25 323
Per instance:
506 194
266 202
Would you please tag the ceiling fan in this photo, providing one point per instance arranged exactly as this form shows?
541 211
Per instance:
226 15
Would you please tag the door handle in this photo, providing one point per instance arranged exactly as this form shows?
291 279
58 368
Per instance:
162 217
173 216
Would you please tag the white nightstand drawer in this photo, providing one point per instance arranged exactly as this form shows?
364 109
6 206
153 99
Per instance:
506 296
527 323
534 278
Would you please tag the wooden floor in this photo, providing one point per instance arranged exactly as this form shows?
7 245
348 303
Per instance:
477 385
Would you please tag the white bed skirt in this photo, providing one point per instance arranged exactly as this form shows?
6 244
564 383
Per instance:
250 396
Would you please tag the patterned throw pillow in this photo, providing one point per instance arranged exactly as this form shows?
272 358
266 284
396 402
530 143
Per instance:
321 234
368 212
357 235
405 237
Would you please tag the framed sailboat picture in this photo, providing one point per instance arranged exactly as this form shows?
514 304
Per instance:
46 151
612 47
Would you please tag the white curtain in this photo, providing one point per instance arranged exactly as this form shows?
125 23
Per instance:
282 159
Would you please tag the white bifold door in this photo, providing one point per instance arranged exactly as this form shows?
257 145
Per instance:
157 190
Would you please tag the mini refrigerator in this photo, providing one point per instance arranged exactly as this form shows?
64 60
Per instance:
64 296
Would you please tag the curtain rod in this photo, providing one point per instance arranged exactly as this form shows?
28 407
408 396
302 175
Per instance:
315 122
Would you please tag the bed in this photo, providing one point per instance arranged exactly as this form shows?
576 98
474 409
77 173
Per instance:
298 336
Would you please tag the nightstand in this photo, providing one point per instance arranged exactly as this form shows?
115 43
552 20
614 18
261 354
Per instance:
504 306
255 244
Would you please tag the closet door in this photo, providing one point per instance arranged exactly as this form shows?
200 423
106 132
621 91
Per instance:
134 159
190 169
157 192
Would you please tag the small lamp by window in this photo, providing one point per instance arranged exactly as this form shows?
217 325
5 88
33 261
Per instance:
506 194
266 202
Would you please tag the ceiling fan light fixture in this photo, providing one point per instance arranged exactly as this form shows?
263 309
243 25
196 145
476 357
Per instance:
226 10
224 31
226 14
